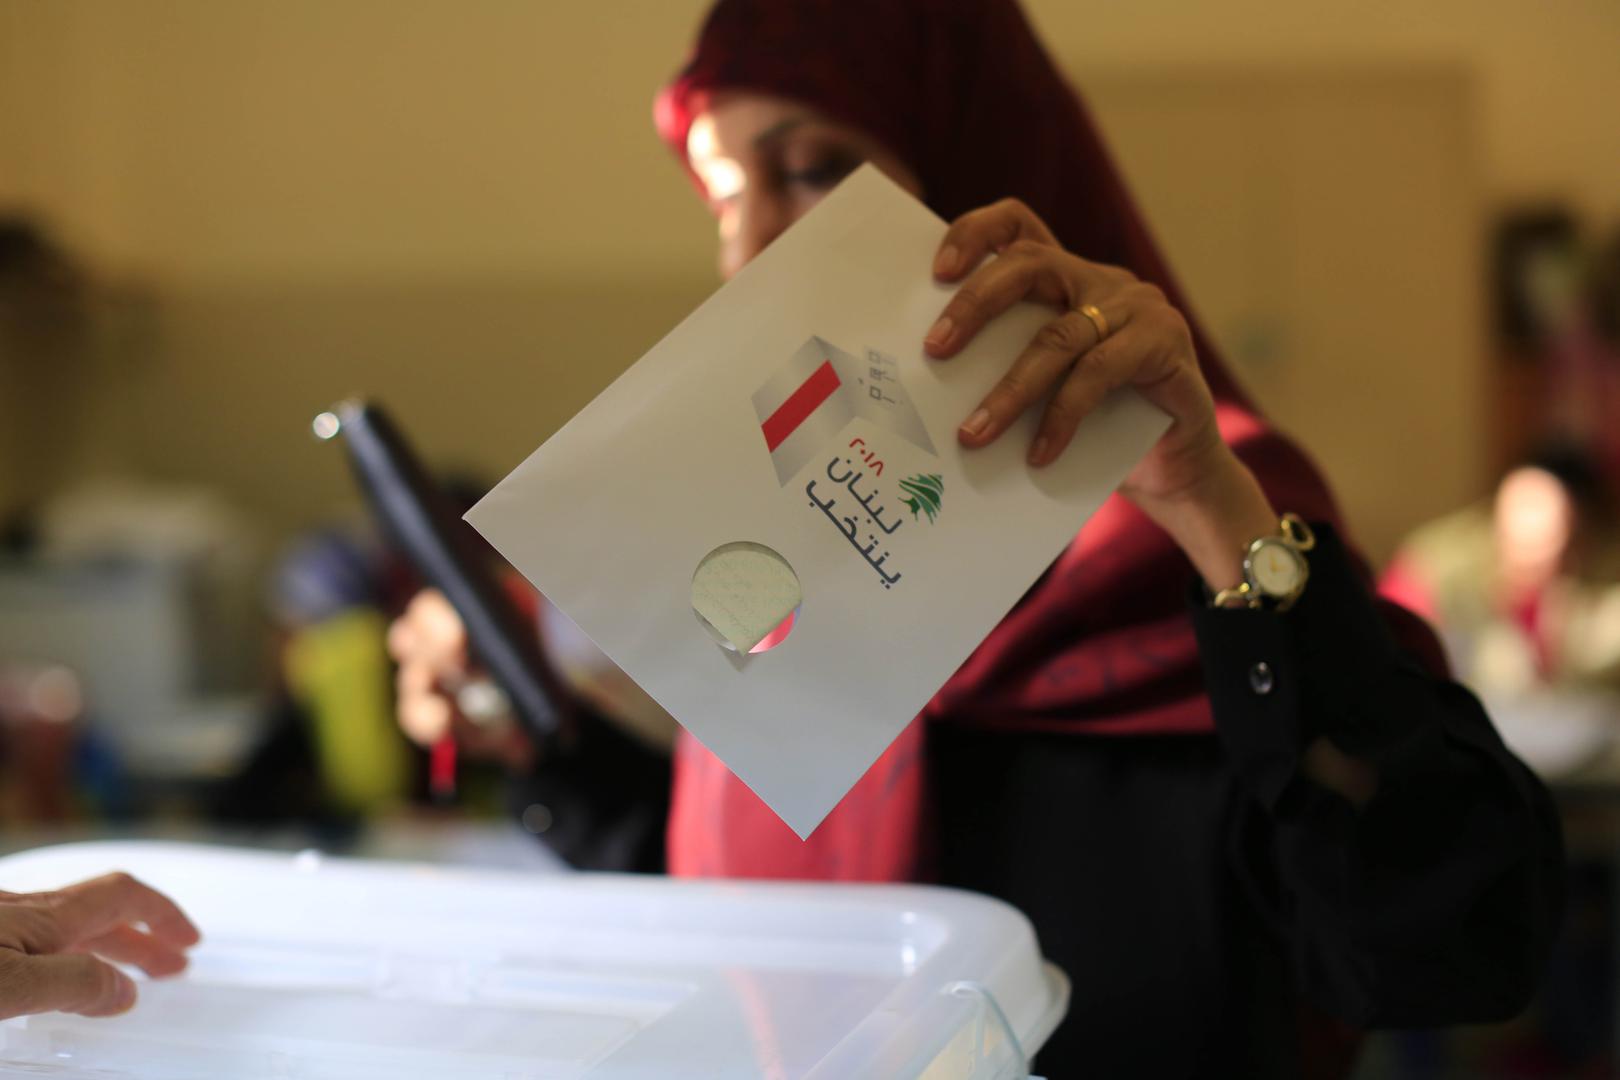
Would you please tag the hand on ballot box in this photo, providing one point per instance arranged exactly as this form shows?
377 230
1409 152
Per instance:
55 946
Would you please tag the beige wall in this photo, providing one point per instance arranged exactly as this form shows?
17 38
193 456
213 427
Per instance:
1345 291
308 137
1545 73
478 370
460 206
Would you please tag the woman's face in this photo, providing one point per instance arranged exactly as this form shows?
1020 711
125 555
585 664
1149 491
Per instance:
765 161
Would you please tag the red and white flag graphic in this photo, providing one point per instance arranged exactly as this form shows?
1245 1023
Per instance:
809 400
804 405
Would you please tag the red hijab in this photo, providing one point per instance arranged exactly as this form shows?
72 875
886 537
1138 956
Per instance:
963 92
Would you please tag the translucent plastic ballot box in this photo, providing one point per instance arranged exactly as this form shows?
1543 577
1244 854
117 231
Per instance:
314 968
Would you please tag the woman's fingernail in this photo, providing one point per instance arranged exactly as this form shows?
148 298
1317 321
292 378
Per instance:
1037 453
945 261
120 999
940 333
976 424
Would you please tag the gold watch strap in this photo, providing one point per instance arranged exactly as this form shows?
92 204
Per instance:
1294 532
1241 595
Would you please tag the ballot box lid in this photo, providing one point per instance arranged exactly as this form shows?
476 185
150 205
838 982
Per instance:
315 967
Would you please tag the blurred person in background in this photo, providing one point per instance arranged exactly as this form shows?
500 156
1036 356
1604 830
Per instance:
1246 828
1524 588
331 755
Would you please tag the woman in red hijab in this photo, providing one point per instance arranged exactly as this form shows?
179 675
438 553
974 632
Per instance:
1234 801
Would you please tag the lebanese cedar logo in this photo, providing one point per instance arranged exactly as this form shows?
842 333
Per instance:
923 493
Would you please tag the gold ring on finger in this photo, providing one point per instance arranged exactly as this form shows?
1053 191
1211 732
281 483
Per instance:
1098 322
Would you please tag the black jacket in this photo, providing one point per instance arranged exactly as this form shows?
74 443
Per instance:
1212 906
1208 901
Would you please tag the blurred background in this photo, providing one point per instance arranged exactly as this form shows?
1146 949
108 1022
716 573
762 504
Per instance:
1402 222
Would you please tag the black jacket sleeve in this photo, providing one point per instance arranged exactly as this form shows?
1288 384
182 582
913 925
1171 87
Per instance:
1437 901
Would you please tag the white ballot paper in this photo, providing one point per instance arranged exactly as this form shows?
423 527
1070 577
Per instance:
794 421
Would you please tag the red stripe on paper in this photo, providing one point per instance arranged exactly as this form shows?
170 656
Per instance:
799 405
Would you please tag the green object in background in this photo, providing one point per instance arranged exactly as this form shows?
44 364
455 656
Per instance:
339 670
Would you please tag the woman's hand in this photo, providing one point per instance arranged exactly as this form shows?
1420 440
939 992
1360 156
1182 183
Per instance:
1190 483
1148 346
429 643
54 946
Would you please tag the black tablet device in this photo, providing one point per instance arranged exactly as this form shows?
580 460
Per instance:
418 517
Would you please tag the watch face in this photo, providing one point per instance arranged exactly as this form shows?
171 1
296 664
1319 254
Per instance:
1277 569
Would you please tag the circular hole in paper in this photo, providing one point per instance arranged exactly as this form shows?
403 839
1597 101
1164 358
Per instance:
746 596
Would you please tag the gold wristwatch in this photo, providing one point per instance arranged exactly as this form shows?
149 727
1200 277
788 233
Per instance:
1274 569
